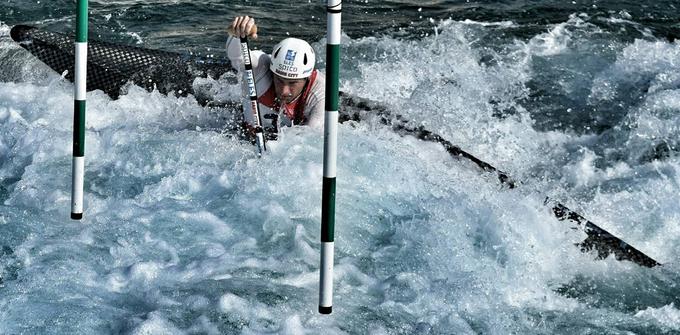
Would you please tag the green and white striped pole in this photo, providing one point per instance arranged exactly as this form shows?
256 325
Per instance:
330 153
80 80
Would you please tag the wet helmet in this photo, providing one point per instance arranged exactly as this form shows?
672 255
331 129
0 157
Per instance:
293 58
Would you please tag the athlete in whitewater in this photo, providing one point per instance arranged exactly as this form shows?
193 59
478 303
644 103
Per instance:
290 90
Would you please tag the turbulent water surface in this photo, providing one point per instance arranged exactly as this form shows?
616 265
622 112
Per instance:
187 231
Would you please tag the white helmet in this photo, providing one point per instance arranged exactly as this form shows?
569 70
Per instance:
293 58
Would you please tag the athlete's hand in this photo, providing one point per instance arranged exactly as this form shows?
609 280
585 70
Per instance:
243 26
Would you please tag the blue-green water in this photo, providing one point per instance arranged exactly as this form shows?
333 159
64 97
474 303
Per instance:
186 231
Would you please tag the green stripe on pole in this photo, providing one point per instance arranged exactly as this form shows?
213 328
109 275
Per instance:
332 76
81 21
79 128
328 210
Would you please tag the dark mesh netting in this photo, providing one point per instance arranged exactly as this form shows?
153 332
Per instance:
111 66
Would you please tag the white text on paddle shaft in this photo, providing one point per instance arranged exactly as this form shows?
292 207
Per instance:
244 52
251 86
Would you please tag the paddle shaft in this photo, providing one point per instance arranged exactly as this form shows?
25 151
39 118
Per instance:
252 93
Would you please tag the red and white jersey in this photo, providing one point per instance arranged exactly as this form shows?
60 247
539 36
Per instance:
307 109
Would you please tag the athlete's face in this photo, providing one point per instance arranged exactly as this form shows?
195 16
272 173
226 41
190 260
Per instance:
288 89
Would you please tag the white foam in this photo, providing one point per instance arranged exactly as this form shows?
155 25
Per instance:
231 303
668 316
156 324
184 219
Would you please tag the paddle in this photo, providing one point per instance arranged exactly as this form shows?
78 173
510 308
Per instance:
252 92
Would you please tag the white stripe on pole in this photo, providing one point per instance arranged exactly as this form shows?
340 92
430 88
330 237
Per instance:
333 26
80 75
331 141
326 289
77 184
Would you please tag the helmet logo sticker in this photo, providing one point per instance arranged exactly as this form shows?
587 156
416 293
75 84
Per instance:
290 55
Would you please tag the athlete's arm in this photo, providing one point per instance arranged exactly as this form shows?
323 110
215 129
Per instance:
242 26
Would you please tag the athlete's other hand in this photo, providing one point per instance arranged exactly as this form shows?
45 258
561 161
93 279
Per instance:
243 26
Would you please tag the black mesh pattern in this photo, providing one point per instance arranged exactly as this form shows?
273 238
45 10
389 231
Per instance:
111 66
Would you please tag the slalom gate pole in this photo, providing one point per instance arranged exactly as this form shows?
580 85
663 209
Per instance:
80 89
330 150
252 92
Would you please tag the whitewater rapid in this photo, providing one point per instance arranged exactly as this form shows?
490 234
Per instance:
187 231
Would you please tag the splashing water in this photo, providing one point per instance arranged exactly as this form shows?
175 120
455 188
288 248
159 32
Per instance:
186 231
